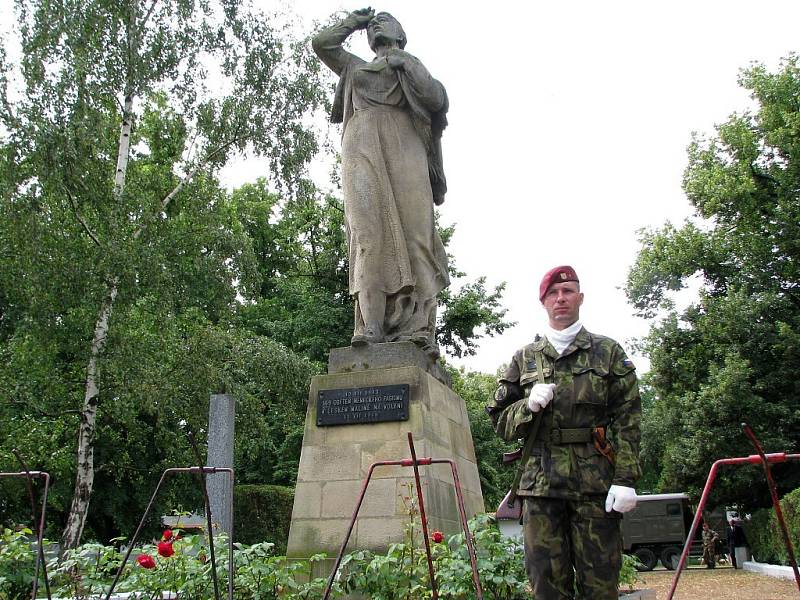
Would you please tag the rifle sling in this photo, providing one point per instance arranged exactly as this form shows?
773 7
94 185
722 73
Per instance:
532 435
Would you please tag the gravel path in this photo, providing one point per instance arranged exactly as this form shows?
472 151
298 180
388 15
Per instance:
723 583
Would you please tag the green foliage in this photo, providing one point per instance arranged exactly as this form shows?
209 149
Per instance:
402 573
263 513
764 535
628 575
469 314
258 573
301 253
161 378
17 563
649 456
732 356
477 389
85 571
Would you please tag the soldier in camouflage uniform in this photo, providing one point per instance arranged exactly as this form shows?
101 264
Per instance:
710 539
584 462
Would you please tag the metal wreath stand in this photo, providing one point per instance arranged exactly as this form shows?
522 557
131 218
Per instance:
202 472
29 476
766 460
416 463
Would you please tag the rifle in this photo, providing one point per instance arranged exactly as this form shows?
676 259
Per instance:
532 435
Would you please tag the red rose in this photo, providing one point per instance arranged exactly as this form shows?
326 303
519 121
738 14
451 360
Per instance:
167 535
165 549
146 561
437 537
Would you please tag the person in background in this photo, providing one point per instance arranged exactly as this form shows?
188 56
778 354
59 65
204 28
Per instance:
710 539
729 535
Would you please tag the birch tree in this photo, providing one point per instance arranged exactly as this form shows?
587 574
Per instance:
75 154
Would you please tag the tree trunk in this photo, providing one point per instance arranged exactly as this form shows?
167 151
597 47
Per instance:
123 151
84 478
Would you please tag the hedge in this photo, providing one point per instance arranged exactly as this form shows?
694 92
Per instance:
262 513
764 534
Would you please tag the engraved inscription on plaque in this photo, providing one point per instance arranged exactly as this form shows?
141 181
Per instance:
363 405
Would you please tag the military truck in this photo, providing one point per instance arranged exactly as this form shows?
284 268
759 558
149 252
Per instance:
656 529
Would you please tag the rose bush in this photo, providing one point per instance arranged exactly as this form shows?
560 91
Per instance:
180 565
399 574
402 573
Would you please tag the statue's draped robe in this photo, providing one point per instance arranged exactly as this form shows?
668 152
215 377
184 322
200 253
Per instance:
391 170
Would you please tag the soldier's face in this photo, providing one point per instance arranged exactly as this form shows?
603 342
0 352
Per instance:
563 303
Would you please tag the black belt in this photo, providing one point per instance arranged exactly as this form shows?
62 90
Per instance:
578 435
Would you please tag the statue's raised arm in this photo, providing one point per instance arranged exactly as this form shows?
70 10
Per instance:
393 114
328 43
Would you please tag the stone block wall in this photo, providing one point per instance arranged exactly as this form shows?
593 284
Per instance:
335 460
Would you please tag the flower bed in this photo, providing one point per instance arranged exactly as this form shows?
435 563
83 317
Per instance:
179 566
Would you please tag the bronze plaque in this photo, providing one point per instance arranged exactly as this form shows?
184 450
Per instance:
363 405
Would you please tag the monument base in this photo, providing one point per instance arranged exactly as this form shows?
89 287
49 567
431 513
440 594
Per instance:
335 460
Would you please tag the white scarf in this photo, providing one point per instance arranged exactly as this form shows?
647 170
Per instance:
561 339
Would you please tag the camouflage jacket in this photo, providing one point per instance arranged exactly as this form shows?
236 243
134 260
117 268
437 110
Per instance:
710 538
595 386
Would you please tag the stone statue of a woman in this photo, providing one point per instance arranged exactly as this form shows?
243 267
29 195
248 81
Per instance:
393 114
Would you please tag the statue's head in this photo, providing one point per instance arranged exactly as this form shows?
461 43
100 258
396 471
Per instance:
385 30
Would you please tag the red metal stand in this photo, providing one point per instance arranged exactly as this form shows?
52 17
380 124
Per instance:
753 459
40 562
416 463
424 519
202 471
776 503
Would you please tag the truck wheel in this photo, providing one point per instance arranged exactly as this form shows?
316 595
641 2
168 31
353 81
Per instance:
647 557
668 555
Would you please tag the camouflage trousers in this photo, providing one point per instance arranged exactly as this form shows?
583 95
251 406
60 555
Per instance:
564 539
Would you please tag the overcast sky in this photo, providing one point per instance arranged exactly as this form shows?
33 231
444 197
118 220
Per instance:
568 129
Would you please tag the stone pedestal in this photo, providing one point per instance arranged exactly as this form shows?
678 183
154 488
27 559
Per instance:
335 459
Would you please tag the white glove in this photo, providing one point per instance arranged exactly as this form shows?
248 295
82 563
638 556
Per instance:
620 498
540 396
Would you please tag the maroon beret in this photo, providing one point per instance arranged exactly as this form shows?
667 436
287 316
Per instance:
556 275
